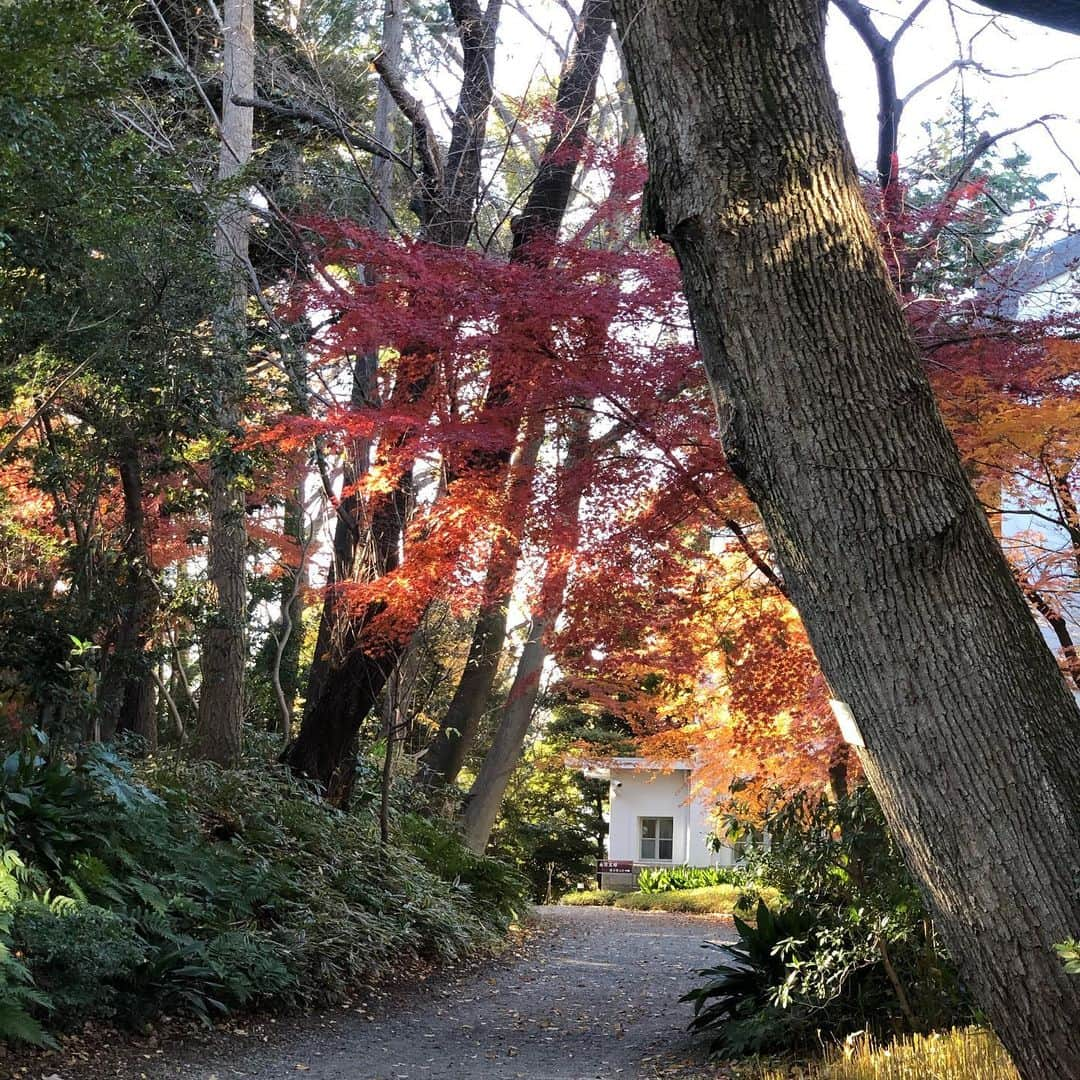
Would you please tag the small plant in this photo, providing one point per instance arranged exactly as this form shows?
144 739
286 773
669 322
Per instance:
1069 951
591 898
670 879
737 1004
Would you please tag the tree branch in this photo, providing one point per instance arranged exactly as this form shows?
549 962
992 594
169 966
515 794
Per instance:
325 122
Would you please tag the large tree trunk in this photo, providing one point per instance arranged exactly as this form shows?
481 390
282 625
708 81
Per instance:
223 651
972 739
533 233
364 390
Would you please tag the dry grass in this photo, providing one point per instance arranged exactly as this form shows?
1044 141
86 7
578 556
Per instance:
972 1054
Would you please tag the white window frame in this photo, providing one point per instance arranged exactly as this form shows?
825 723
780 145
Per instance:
656 839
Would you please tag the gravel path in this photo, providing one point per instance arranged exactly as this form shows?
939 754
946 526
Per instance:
595 996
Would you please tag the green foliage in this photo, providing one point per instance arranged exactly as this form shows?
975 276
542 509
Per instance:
187 888
18 995
710 900
1003 210
1069 951
668 879
737 1002
591 897
549 828
495 887
851 949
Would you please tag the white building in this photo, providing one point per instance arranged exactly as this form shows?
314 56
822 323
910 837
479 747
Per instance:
656 818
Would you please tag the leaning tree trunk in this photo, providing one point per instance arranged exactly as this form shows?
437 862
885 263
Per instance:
486 794
534 231
972 739
221 695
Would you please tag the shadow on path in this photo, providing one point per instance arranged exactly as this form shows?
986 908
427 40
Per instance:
595 998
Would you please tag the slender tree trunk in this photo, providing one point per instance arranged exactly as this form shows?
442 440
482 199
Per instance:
223 652
972 739
128 686
364 386
486 794
444 757
536 228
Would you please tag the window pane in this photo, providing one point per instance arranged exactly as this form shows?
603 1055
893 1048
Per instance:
667 827
648 848
665 849
648 827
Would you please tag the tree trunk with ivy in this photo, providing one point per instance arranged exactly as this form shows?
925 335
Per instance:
972 739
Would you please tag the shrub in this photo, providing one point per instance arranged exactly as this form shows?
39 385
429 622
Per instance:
131 890
668 879
591 898
711 900
853 947
85 958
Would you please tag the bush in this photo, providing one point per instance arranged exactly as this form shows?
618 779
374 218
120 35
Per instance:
669 879
591 898
711 900
128 891
852 949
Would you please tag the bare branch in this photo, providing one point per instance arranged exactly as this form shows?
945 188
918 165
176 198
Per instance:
424 135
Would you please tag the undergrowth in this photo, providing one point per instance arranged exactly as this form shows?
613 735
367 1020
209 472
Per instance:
130 890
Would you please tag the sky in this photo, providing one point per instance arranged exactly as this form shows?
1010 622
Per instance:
941 33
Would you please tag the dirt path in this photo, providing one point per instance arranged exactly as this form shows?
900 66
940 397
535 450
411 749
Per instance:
595 997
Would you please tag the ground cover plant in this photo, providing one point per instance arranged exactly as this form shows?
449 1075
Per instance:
707 900
129 890
668 879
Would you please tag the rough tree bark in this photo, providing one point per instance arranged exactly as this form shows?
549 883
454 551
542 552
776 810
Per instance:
533 231
972 739
223 648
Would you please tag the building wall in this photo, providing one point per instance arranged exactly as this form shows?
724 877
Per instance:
638 793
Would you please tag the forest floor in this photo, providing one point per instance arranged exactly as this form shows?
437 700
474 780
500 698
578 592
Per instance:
592 995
